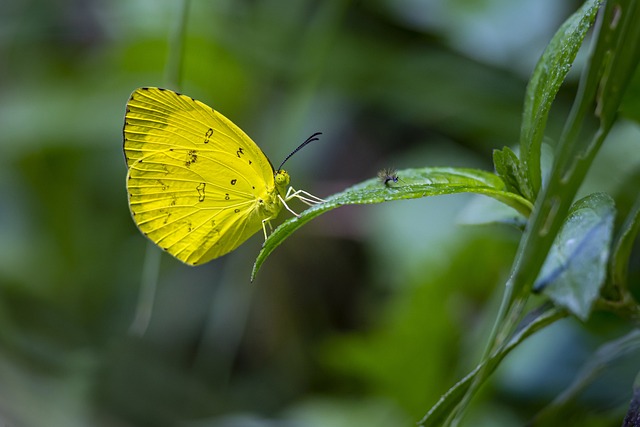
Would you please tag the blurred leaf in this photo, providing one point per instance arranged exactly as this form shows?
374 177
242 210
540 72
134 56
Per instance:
485 211
413 183
630 107
550 72
450 400
576 266
605 357
623 245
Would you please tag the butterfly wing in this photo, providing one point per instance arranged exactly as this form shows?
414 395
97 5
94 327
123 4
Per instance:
160 119
198 186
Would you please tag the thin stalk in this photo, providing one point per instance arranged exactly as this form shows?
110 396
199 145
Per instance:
152 257
175 57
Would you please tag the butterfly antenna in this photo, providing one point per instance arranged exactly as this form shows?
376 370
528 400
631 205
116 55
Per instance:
312 138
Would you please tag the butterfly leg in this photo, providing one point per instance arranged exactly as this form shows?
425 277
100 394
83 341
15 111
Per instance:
264 227
303 196
284 202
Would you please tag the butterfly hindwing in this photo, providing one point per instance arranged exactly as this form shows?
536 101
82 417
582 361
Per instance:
190 211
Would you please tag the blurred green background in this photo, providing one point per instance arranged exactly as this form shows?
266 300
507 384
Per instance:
364 317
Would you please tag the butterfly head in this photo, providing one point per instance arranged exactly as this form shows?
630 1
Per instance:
282 179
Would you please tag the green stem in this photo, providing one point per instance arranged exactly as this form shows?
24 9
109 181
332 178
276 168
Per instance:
572 163
148 285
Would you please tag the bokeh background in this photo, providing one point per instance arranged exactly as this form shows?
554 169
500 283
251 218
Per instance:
363 317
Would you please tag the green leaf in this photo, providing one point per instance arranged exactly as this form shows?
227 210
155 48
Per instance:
412 184
605 80
507 167
550 72
576 266
450 400
621 46
623 245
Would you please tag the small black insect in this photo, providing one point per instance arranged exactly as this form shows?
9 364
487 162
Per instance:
388 176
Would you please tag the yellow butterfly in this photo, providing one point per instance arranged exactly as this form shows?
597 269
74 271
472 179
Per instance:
198 186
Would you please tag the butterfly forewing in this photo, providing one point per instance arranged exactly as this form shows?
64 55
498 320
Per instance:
195 180
160 119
